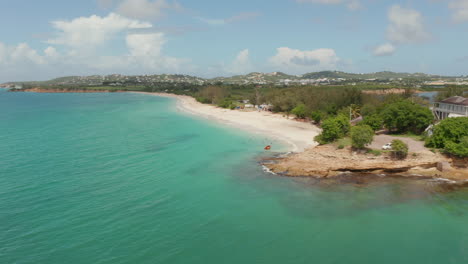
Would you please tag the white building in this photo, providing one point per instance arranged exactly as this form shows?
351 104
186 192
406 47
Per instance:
456 106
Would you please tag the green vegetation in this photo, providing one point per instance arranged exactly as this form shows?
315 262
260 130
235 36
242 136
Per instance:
333 128
451 135
399 149
374 152
345 142
300 111
405 116
450 91
317 116
374 121
361 136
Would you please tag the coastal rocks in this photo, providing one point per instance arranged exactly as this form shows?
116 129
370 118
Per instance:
444 166
327 161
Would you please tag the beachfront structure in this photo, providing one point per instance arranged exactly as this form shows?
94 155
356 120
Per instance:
456 106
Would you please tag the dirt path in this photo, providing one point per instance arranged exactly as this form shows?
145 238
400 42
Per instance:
413 145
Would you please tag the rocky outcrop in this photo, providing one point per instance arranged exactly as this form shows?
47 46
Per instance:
328 161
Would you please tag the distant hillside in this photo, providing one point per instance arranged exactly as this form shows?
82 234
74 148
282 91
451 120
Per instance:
278 78
385 75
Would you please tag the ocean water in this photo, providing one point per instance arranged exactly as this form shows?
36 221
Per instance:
126 178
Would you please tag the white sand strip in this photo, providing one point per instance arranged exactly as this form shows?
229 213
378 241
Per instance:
299 135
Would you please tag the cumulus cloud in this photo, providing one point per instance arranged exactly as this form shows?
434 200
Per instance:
294 60
146 50
386 49
145 9
73 51
351 4
21 61
236 18
19 54
89 32
241 63
460 8
406 26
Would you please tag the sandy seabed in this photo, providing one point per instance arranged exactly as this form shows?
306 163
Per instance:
299 135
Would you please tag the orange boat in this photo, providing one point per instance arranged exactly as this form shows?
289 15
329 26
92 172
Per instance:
268 147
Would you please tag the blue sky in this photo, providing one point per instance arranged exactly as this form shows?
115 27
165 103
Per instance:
52 38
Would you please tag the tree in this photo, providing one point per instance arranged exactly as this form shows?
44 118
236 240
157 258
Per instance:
374 121
331 131
405 116
344 124
300 111
317 116
452 90
361 136
215 94
451 135
399 149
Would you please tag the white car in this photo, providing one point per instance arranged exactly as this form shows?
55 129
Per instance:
387 146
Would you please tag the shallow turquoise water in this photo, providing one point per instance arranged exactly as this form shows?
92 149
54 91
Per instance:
125 178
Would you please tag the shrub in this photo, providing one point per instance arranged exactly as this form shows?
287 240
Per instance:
330 131
341 146
449 130
361 136
459 150
300 111
405 116
226 103
333 129
399 149
317 116
203 100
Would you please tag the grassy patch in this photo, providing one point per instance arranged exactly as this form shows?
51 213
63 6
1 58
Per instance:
343 142
409 135
374 152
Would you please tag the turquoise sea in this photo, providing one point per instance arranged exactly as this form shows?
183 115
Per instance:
126 178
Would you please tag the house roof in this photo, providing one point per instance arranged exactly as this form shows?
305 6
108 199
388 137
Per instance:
458 100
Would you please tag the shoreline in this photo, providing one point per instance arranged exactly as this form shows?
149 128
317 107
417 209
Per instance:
306 158
298 135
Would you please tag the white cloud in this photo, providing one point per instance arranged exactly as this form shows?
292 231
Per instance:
293 60
406 26
146 50
145 9
460 8
241 63
386 49
350 4
23 54
74 51
90 32
211 21
236 18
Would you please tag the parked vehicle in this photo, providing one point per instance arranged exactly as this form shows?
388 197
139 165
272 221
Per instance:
387 146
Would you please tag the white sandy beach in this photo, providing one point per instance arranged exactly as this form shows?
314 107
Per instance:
298 135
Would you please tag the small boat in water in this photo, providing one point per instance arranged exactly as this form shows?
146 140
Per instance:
268 147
